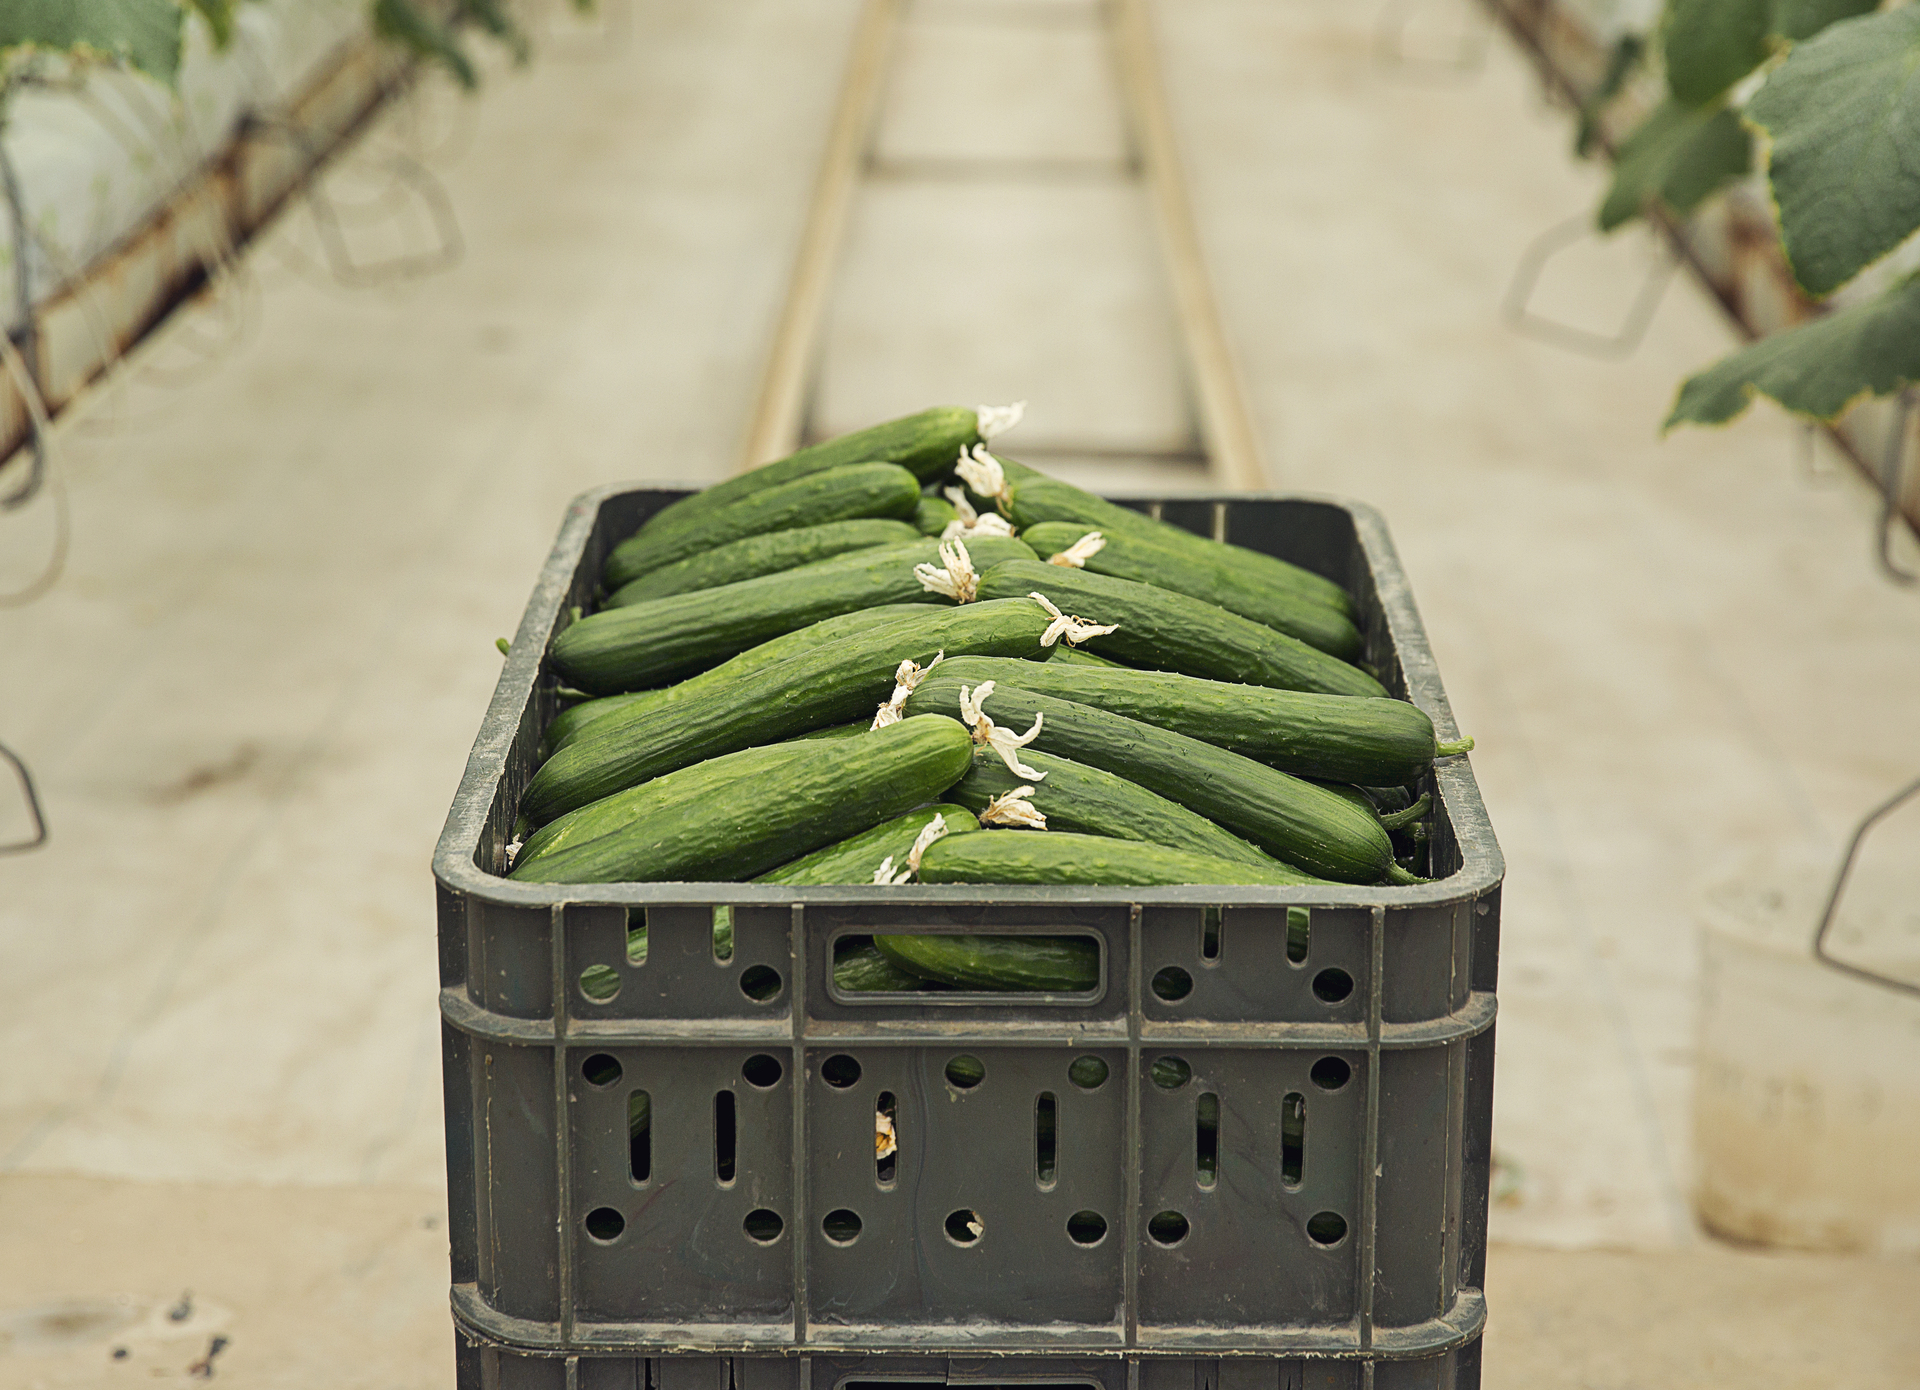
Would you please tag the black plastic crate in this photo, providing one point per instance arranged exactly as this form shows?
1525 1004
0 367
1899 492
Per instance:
1307 1208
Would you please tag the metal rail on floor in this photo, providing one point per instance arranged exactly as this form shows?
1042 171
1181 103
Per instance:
1227 441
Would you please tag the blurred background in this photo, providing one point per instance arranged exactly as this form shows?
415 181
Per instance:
313 344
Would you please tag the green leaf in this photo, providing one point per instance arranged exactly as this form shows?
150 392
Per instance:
1711 44
492 16
1629 50
1819 368
1680 155
1802 19
1843 113
143 34
402 22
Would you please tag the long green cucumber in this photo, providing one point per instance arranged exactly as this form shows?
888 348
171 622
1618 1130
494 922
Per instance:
1170 630
924 444
828 684
1305 826
764 806
934 515
1216 577
663 639
854 860
769 553
1035 498
1072 656
566 725
1051 964
839 494
1337 738
860 968
1090 801
1090 860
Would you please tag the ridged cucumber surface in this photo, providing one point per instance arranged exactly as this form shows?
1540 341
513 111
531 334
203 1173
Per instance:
934 515
763 806
1158 627
1036 498
1379 742
1218 578
1068 655
998 856
665 639
1041 964
828 684
854 860
566 725
860 968
1303 825
1086 800
770 553
839 494
925 444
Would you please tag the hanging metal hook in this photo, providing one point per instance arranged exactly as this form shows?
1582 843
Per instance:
1612 347
33 805
1820 952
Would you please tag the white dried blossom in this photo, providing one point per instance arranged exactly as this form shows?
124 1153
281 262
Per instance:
1004 742
905 681
970 523
931 831
957 580
1013 808
982 472
995 420
1075 630
1076 555
513 850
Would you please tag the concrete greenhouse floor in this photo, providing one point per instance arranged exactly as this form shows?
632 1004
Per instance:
302 519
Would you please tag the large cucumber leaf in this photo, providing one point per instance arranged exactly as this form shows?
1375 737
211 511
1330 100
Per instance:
1843 113
1794 20
143 34
1680 154
1711 44
1817 369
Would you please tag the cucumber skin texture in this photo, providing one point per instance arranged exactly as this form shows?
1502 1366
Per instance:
839 494
567 724
1218 580
1037 498
664 639
1167 629
1084 800
764 806
768 553
925 444
1087 860
854 860
860 968
829 684
1334 738
1302 825
934 515
1073 656
1051 964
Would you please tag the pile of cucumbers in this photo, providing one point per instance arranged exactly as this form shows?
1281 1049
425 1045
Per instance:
895 657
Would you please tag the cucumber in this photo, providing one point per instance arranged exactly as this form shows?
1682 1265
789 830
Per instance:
1073 656
925 445
735 816
660 640
999 856
1304 825
853 730
860 968
839 494
1087 800
1375 743
1171 630
934 515
1216 579
752 556
1050 964
1035 498
828 684
854 860
566 725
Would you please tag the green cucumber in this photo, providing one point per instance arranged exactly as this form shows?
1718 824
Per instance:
663 639
860 968
732 817
839 494
566 725
1035 498
1375 743
1303 825
853 730
1087 800
925 445
934 515
828 684
1000 856
1216 578
1167 629
769 553
1072 656
1048 964
854 860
